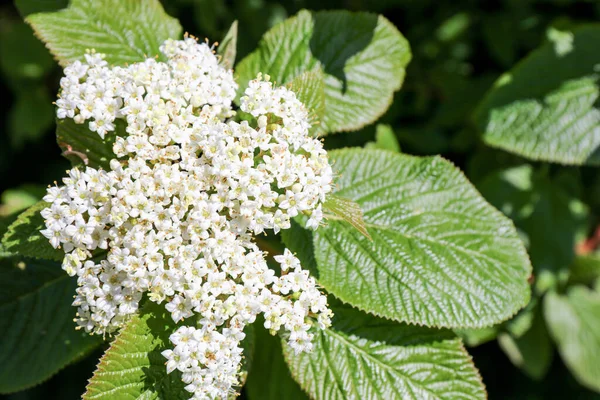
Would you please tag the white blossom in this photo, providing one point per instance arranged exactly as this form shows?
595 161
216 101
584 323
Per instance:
176 214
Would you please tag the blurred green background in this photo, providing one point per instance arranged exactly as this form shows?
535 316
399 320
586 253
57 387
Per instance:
459 48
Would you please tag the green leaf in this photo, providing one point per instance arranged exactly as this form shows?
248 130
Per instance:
127 31
574 322
440 255
82 146
362 55
385 139
133 367
37 328
309 87
551 217
228 47
532 351
347 211
269 378
545 108
23 236
19 198
365 357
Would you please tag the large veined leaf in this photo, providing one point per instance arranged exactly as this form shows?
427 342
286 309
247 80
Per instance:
309 87
365 357
574 322
440 255
126 31
362 55
134 368
23 236
37 328
269 378
546 107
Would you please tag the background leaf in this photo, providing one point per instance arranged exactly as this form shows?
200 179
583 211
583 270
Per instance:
574 323
362 55
366 357
37 328
440 255
126 31
545 108
228 46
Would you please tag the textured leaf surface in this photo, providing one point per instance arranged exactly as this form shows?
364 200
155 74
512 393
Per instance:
126 31
37 328
228 47
363 56
269 378
23 236
346 210
309 87
365 357
134 368
574 322
440 255
546 107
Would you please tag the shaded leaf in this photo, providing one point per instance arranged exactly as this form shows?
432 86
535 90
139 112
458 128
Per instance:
309 87
37 328
269 378
385 139
574 323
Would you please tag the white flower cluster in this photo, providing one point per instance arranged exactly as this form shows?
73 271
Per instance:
175 215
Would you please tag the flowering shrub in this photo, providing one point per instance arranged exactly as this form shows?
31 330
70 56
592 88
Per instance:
203 218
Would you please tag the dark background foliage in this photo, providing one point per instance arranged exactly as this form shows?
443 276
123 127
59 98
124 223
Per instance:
459 48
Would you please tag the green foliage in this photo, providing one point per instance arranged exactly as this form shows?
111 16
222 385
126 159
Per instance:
385 139
37 328
228 47
545 108
137 32
366 357
362 55
532 351
23 236
440 255
133 366
269 378
550 218
574 322
82 146
346 210
309 87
